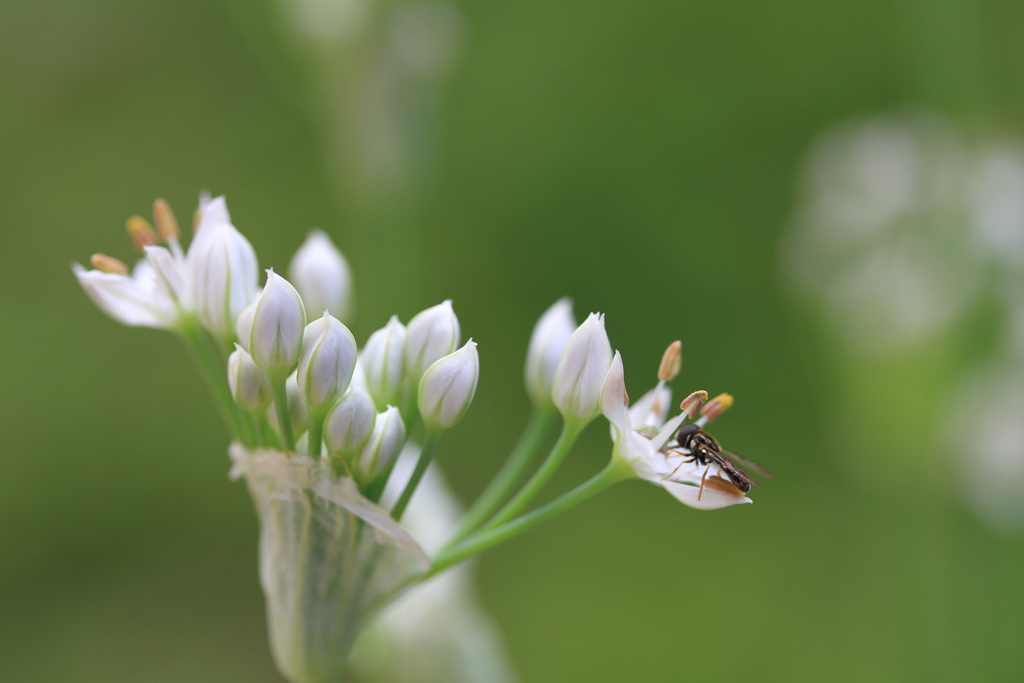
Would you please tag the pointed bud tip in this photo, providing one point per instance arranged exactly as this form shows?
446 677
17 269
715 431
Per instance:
166 222
141 232
716 406
671 362
108 264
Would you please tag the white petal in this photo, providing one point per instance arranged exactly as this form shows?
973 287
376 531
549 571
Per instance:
710 499
128 300
170 276
550 336
580 375
652 408
667 430
212 212
613 396
448 386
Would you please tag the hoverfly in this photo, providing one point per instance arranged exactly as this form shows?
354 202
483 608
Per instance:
702 448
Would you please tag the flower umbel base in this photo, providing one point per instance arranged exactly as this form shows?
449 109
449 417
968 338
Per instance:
329 559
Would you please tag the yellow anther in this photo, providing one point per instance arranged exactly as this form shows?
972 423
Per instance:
166 223
691 405
141 232
716 406
108 264
671 362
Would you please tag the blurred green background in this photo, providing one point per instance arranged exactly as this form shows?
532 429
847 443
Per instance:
638 156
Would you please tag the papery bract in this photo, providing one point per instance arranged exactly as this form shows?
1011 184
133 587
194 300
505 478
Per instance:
329 559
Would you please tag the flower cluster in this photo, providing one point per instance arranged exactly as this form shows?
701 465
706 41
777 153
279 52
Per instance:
319 423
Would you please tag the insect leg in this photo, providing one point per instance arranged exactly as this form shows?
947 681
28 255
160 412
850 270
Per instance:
701 492
673 472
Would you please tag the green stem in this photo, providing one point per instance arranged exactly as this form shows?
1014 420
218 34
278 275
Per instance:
426 455
251 422
269 436
512 471
284 417
316 434
570 431
217 378
454 553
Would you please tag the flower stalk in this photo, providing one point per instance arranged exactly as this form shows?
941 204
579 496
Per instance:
537 428
331 554
571 430
456 552
284 417
426 456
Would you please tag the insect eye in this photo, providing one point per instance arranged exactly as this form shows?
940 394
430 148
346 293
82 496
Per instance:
685 432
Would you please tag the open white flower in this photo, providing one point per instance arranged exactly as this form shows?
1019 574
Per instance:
163 288
134 299
637 443
157 293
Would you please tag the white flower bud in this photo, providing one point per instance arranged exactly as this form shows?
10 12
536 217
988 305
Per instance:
448 387
243 326
359 375
384 445
297 410
383 361
550 335
210 212
322 276
249 384
327 361
432 334
224 276
580 374
349 423
275 340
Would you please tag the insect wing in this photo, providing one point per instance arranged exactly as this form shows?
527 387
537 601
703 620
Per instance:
749 464
733 470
